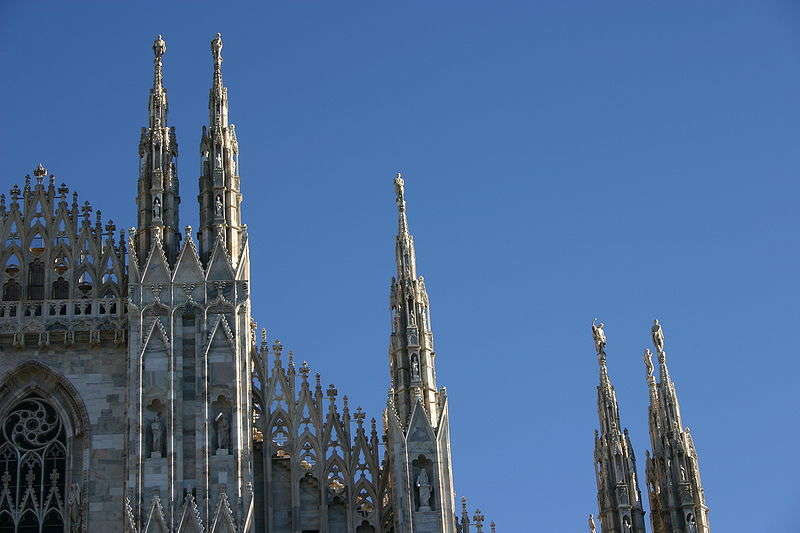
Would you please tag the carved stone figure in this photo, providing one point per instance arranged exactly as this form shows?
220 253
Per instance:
626 524
218 160
658 336
74 507
599 337
218 206
156 432
592 527
648 362
156 208
223 433
691 524
424 489
414 367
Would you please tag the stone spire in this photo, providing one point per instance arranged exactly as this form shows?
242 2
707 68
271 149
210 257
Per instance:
418 444
220 193
618 494
158 196
412 370
677 499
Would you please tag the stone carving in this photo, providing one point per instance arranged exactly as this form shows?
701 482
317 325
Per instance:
658 336
599 337
691 524
414 367
424 489
74 507
156 432
648 362
156 208
218 206
223 431
592 527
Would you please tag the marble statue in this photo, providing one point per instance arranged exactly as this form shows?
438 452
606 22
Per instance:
156 431
599 337
658 336
424 488
223 438
74 507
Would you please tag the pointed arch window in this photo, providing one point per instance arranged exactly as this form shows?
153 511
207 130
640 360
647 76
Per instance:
33 475
11 291
36 280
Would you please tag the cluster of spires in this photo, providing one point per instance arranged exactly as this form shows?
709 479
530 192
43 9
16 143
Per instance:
677 499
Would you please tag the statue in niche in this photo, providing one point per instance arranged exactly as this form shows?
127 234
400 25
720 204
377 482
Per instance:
424 489
74 507
156 208
414 367
157 434
218 160
626 524
218 206
223 427
691 524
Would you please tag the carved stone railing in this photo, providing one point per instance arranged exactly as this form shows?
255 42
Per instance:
63 309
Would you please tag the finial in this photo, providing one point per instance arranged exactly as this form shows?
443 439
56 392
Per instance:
159 46
332 392
493 527
277 347
40 171
592 527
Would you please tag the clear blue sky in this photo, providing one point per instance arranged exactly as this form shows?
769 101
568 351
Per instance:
563 161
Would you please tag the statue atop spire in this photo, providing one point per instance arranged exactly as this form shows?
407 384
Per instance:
216 51
400 200
599 335
658 336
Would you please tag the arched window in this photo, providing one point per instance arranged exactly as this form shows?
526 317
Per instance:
60 289
36 280
33 452
11 291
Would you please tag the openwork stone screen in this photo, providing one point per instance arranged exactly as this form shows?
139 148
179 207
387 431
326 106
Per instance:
33 452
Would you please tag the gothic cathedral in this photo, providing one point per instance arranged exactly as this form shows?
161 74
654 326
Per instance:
137 394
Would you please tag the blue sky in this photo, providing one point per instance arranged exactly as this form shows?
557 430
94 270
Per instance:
563 161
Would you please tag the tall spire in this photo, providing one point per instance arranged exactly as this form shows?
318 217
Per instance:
413 373
677 498
220 192
618 494
158 196
418 444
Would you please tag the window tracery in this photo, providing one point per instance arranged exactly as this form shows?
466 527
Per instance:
33 475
